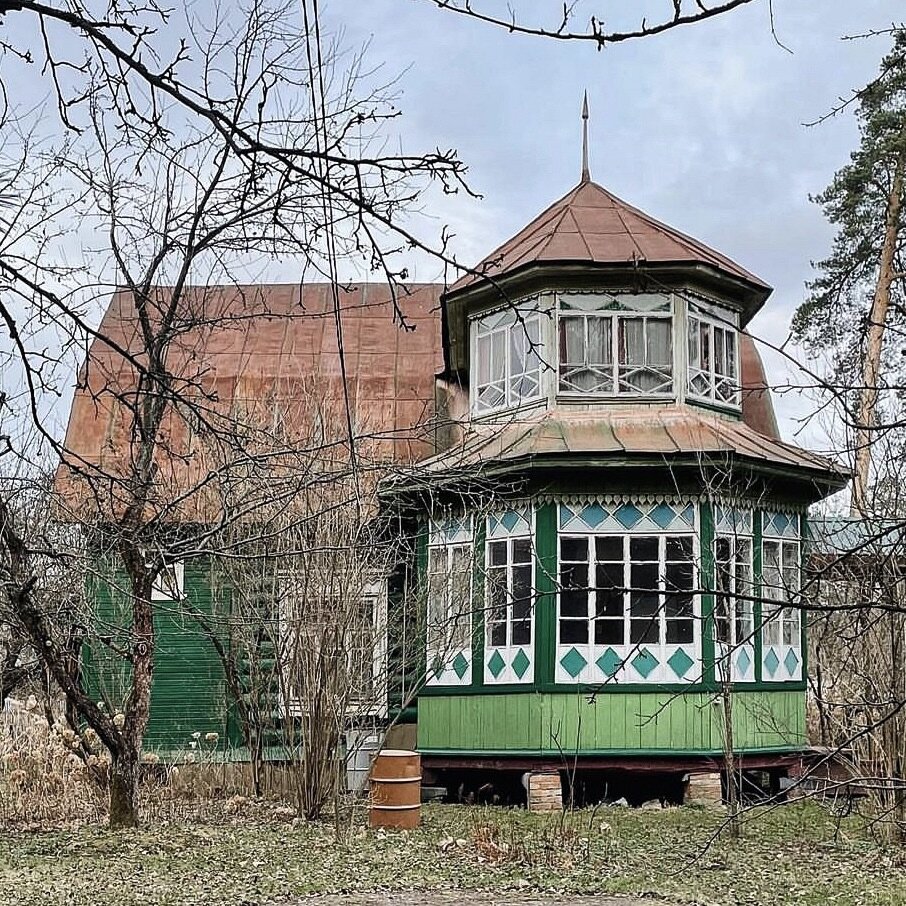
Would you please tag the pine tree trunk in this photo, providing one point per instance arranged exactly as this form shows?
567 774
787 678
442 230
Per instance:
877 322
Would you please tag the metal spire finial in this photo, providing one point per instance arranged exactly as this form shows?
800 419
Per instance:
586 176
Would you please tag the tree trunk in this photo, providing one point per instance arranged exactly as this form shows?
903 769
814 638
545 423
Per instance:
730 759
124 773
877 322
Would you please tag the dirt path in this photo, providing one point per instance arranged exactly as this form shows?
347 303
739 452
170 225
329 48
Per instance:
471 898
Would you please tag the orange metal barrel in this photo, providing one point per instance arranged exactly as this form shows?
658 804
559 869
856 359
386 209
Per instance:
396 789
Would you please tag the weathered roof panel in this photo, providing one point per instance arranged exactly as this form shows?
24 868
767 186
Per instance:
591 225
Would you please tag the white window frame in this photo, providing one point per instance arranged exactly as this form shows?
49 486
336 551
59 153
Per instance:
619 371
781 619
738 616
456 626
170 583
511 326
722 389
508 571
627 563
738 593
375 591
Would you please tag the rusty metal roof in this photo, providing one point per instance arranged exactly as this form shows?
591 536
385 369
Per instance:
253 351
590 225
254 348
636 431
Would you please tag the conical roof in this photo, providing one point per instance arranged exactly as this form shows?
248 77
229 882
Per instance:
590 225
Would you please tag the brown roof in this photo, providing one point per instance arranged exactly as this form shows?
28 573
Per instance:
635 430
591 225
250 351
275 345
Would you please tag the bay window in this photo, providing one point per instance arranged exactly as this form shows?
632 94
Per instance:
507 363
713 358
615 344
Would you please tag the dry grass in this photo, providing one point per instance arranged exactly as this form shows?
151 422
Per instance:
43 780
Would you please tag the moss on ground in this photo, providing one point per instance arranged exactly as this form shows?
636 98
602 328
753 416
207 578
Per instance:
792 855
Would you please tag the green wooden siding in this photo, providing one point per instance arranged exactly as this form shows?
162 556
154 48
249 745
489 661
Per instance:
188 693
557 723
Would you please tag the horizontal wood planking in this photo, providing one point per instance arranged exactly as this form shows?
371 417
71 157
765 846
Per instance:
188 692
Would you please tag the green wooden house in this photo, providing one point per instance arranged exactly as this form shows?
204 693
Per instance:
642 546
608 524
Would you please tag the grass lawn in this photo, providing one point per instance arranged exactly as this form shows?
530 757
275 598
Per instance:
793 855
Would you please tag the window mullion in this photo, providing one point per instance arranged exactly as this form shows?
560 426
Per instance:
662 589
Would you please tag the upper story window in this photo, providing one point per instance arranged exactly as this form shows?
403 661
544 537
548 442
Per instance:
507 359
713 356
615 344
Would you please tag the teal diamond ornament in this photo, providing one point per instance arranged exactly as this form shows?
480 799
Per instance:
662 515
628 516
573 662
593 515
566 515
460 665
520 664
510 520
791 662
496 664
609 662
644 662
771 662
680 662
743 662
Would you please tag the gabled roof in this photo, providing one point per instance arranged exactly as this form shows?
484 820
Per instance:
592 226
256 353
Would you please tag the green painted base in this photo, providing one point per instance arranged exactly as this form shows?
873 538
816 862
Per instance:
644 722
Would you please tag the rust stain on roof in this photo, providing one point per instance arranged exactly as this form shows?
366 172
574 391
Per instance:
591 225
265 357
662 430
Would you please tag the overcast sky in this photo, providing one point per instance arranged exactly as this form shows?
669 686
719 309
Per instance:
701 127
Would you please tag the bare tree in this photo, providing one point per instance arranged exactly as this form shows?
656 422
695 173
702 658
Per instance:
181 203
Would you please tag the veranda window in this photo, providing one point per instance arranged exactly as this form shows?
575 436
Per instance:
780 616
615 344
713 360
507 368
616 589
509 592
449 597
734 621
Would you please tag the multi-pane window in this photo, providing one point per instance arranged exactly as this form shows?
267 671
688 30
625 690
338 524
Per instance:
734 621
619 589
615 344
332 630
780 578
713 360
362 645
449 597
507 367
509 592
